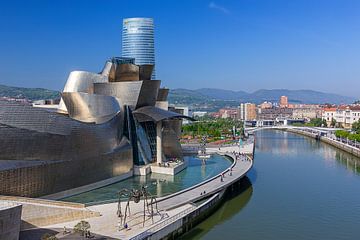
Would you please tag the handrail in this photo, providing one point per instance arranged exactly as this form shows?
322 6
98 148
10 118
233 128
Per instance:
163 223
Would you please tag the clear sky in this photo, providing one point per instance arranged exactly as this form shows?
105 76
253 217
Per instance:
239 45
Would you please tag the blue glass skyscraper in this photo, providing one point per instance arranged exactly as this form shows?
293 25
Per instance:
138 40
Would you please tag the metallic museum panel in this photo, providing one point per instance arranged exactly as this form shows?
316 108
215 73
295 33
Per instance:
146 71
90 107
154 114
107 68
162 94
133 93
127 72
148 93
81 81
170 144
62 153
25 116
126 92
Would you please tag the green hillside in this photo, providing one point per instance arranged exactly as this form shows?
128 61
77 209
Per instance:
28 93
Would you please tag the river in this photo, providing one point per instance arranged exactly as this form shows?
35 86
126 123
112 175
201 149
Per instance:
299 188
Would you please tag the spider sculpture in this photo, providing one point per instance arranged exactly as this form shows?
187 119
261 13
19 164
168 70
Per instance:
136 195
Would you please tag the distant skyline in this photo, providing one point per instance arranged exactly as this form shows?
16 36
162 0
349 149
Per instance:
237 45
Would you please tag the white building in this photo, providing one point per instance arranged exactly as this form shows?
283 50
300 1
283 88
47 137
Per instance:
344 116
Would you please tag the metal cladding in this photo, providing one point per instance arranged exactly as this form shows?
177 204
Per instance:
148 93
89 108
162 94
51 151
81 81
146 71
107 68
134 93
154 114
171 145
127 72
105 123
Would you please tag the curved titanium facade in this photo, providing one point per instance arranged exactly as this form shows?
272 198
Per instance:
89 108
44 152
81 81
105 124
133 93
138 40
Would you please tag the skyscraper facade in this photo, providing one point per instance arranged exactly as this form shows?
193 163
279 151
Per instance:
138 41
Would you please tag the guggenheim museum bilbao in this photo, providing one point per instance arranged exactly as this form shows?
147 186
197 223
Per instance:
105 124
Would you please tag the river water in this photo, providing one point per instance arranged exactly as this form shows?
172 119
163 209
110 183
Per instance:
299 188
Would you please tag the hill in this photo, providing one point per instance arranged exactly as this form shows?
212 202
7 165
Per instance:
273 95
28 93
207 99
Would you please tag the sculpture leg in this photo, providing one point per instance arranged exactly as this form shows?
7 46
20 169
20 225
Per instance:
144 214
126 208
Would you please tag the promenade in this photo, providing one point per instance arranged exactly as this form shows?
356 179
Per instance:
172 208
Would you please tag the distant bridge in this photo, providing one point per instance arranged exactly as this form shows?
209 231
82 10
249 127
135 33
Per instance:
314 130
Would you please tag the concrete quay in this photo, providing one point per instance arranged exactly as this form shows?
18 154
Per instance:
177 212
343 146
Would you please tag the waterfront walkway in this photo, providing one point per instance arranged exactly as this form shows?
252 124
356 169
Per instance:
172 207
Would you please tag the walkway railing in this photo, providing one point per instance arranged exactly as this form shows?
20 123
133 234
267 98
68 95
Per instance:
164 223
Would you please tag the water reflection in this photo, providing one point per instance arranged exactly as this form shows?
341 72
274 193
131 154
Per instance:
303 189
159 184
349 161
234 202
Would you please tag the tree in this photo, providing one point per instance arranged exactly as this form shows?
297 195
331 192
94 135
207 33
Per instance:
323 123
341 133
356 127
333 122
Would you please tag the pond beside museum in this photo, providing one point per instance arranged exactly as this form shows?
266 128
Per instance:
158 184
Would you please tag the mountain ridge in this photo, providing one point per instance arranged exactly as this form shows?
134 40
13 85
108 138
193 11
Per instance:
205 96
273 95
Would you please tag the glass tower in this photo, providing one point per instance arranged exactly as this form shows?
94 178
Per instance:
138 40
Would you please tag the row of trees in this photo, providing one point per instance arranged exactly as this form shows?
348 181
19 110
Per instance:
315 122
212 127
355 135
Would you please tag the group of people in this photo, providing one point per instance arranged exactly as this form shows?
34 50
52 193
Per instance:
239 155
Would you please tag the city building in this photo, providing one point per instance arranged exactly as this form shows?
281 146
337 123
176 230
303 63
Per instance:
265 105
138 41
199 113
328 113
274 113
247 112
106 124
284 101
303 111
345 116
228 113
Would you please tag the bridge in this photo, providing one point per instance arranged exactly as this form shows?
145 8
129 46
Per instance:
316 130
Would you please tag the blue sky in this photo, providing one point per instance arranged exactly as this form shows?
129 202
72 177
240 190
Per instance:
238 45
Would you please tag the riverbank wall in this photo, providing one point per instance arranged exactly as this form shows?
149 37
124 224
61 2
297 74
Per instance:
342 146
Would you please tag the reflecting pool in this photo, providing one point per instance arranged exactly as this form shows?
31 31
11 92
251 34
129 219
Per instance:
300 188
159 184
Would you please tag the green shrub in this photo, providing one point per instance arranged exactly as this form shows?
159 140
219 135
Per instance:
341 133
